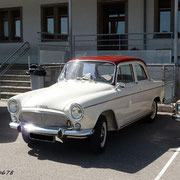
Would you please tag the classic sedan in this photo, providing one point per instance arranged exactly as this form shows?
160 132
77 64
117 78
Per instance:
93 95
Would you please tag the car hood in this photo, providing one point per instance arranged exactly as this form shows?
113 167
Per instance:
61 94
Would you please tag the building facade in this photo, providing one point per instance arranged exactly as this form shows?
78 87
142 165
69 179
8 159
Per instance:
98 27
58 30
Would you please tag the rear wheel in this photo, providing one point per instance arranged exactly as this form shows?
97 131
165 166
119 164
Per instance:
153 113
98 139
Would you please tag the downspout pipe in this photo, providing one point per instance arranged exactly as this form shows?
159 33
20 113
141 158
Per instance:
70 29
176 32
145 30
176 7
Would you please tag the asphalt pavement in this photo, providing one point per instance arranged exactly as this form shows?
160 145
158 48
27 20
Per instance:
139 151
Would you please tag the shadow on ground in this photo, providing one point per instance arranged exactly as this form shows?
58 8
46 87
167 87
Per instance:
7 135
129 150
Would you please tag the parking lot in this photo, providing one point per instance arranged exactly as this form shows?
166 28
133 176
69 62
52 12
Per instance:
139 151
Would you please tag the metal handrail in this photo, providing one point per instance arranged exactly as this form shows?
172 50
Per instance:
126 34
8 58
16 59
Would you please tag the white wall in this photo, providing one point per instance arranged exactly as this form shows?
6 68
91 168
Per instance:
84 21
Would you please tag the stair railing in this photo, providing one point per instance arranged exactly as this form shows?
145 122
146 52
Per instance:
13 59
26 47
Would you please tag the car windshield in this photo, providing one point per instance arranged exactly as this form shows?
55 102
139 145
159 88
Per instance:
88 71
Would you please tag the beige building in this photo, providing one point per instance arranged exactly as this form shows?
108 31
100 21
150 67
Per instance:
97 25
58 30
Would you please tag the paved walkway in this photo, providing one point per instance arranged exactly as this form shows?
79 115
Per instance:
3 103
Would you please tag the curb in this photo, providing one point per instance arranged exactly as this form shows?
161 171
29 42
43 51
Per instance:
166 108
3 103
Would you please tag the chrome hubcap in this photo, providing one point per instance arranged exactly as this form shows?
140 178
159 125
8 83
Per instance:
153 110
103 134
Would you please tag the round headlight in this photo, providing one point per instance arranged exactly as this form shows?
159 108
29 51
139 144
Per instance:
178 107
76 112
13 107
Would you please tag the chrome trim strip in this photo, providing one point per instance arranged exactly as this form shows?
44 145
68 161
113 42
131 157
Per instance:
75 133
46 111
40 130
51 130
121 97
176 117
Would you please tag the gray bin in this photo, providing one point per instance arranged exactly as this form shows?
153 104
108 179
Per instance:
37 75
37 82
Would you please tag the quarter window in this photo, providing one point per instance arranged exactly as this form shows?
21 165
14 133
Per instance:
141 75
125 74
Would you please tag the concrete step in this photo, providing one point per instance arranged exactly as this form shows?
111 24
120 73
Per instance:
16 72
15 89
7 95
15 83
16 77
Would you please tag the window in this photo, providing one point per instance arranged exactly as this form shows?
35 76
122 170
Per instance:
141 75
89 70
113 23
125 74
55 21
164 17
11 24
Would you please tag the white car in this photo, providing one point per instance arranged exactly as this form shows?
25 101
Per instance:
93 95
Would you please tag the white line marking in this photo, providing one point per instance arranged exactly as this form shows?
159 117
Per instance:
168 164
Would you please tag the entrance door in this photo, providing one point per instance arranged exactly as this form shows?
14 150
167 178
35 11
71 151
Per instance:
113 20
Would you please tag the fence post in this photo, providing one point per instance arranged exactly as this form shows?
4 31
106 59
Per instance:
163 73
74 47
29 61
39 48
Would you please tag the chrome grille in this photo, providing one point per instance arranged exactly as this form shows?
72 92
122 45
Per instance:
43 119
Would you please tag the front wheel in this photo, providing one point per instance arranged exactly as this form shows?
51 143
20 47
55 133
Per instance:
153 113
98 139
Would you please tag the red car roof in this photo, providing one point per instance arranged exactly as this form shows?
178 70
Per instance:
114 59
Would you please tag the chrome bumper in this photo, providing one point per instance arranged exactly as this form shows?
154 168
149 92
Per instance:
176 117
54 131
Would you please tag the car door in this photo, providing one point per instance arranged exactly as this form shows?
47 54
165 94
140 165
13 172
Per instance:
125 106
145 86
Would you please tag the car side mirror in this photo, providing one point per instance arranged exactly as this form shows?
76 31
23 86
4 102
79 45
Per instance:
120 85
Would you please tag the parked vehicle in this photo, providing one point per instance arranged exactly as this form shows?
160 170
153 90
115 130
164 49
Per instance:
93 95
176 115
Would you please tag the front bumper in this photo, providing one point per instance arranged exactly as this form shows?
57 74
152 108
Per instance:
51 131
176 117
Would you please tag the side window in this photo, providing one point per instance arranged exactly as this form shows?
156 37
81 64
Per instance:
125 74
141 75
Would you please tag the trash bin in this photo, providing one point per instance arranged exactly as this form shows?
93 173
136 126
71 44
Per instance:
37 74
